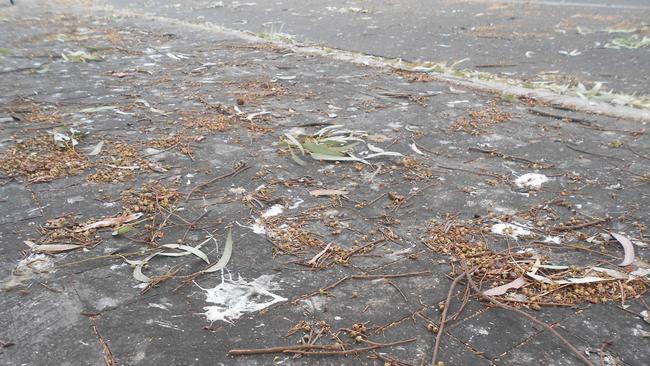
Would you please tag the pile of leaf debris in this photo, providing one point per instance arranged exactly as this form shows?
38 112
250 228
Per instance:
524 277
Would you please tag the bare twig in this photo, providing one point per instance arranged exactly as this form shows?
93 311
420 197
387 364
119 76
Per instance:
353 350
398 275
109 360
398 289
541 165
320 291
280 349
443 318
593 153
375 200
358 249
580 226
402 202
231 174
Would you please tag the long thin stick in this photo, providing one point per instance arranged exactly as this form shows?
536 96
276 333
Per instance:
580 226
398 275
441 327
352 351
279 349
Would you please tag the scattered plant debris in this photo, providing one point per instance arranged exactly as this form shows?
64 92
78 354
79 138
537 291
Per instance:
40 160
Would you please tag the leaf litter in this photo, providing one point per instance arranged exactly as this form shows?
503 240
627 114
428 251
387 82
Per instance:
525 273
40 159
334 143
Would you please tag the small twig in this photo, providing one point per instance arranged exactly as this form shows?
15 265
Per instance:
443 318
352 351
402 202
638 154
389 360
50 288
109 360
592 153
494 175
375 200
563 118
358 249
602 350
504 156
398 275
231 174
398 289
580 226
161 151
320 291
280 349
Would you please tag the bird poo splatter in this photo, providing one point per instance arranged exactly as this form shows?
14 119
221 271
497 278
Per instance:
510 230
531 180
274 210
234 298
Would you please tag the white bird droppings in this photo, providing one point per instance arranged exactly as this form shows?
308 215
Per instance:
511 230
234 298
531 180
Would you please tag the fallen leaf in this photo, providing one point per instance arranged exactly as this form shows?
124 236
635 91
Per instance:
112 221
295 142
225 257
137 270
55 248
385 153
321 149
611 273
375 149
188 249
97 149
157 167
98 109
567 281
328 192
415 149
324 157
500 290
122 230
297 159
628 249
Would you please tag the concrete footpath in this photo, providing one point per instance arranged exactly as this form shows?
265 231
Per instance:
177 191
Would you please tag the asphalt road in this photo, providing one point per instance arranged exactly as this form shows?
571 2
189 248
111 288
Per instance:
562 41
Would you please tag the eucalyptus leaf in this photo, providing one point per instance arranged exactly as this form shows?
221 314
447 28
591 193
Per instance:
296 158
122 230
55 248
321 149
137 271
326 157
385 153
188 249
295 142
97 149
225 257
